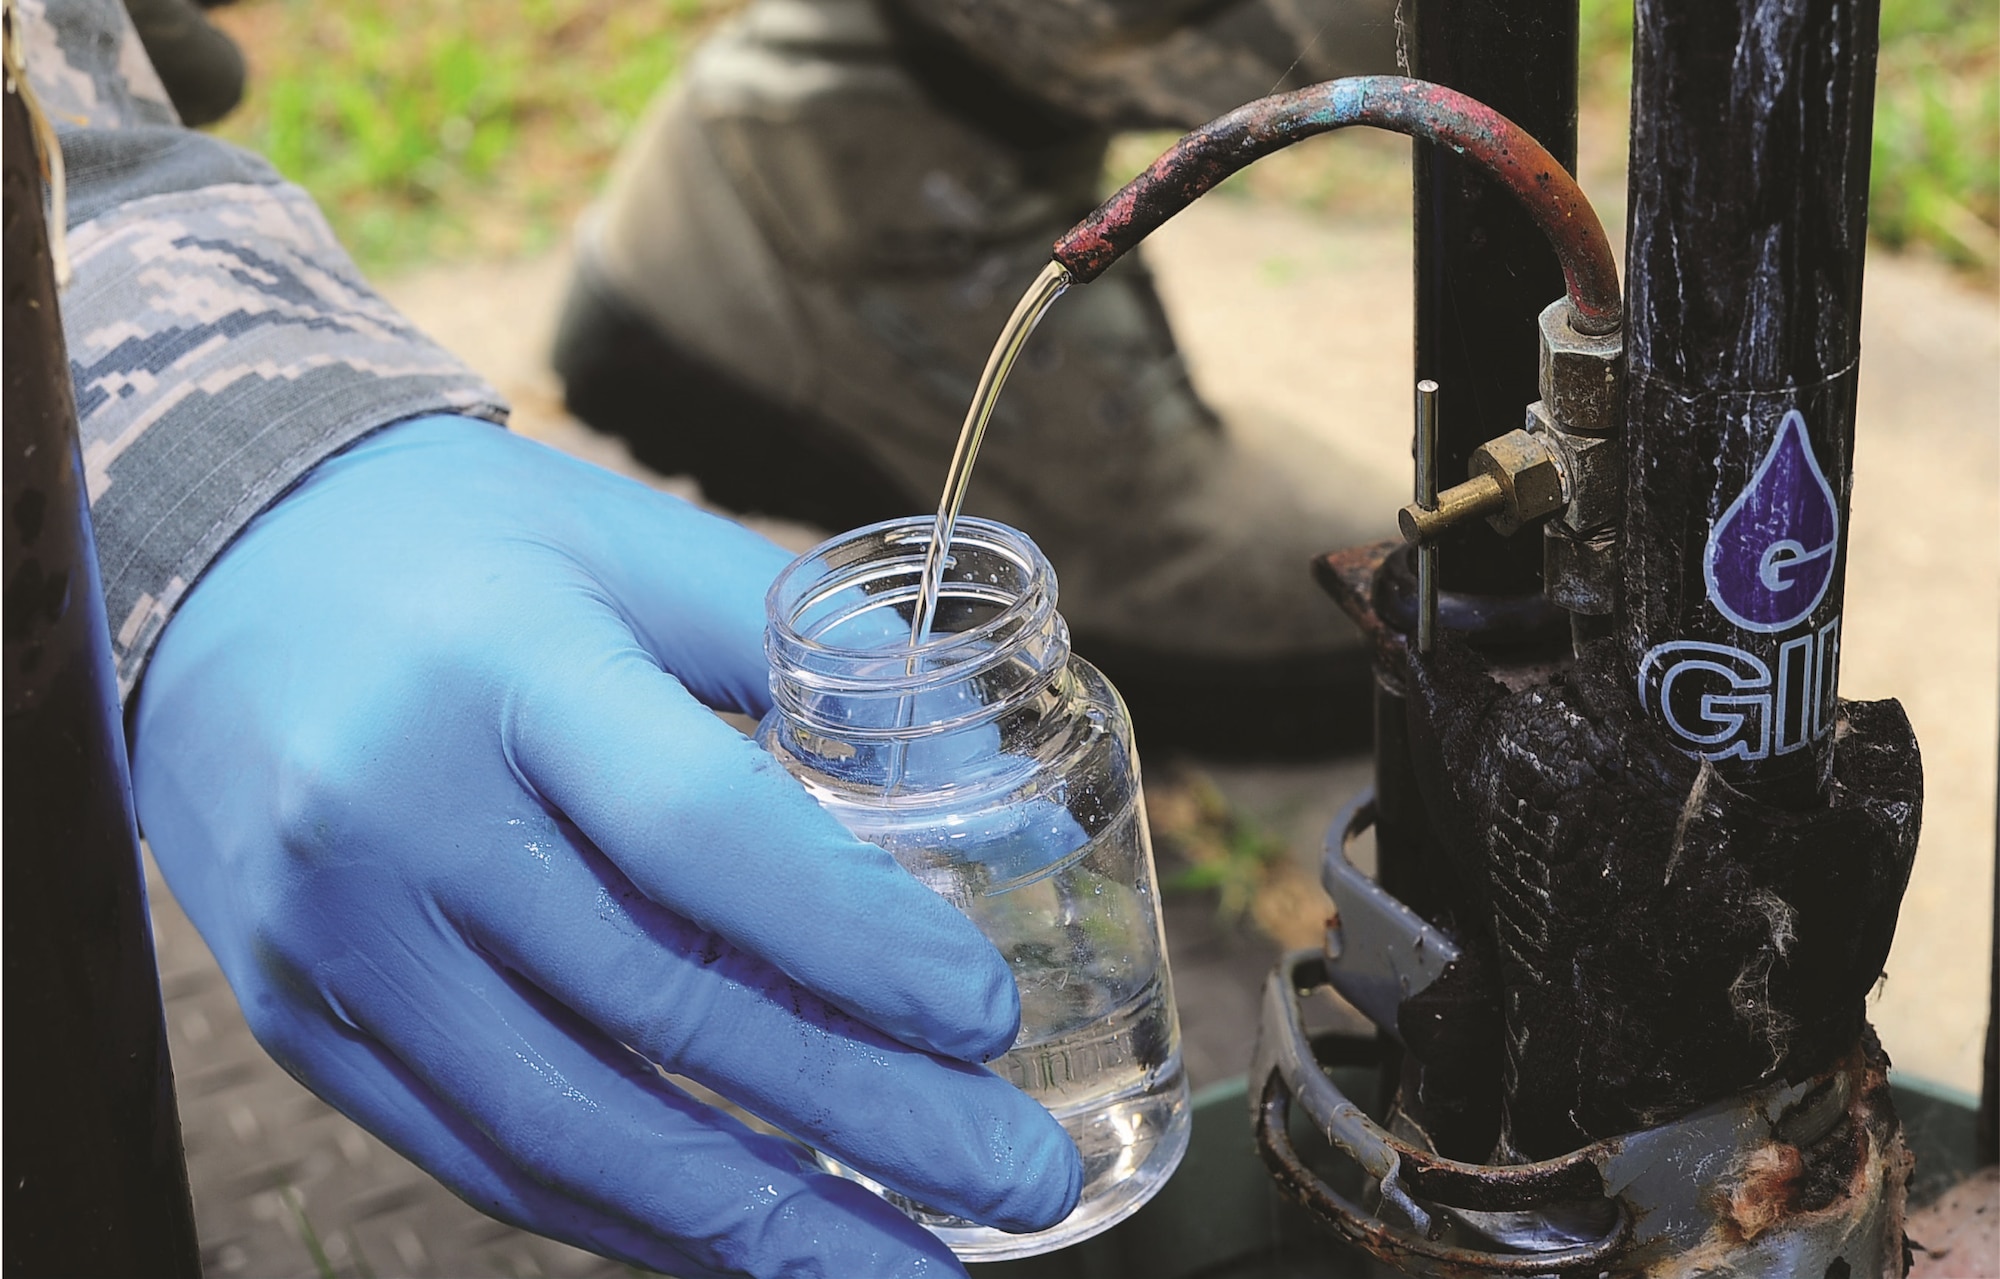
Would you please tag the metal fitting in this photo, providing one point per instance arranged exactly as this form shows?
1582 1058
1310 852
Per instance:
1516 480
1480 495
1566 463
1580 570
1593 468
1530 474
1582 376
1580 545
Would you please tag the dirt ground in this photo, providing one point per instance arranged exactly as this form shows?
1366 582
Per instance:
1302 324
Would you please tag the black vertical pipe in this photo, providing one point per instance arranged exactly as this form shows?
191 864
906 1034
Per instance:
1747 223
1989 1084
96 1182
1484 273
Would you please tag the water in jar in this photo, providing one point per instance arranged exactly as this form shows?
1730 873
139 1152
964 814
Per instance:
1099 1043
1000 770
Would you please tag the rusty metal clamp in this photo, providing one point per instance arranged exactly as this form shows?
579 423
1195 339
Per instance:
1424 1188
1379 953
1665 1203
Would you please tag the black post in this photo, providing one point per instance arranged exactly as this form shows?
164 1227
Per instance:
1652 938
1484 273
1748 219
1989 1086
96 1182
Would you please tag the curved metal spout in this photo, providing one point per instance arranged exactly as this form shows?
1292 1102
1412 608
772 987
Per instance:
1195 164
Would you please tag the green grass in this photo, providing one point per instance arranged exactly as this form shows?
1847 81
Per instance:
433 129
443 129
323 1267
1205 844
1936 178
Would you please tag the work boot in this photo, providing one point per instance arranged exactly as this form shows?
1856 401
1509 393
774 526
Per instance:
789 291
198 64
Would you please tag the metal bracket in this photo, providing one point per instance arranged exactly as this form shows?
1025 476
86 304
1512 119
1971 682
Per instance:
1379 952
1669 1202
1687 1199
1424 1188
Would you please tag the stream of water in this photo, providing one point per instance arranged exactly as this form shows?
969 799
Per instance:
1048 286
1028 312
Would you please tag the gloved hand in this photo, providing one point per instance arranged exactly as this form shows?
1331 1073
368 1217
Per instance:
426 759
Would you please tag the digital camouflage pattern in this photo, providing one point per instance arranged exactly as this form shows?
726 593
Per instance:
221 342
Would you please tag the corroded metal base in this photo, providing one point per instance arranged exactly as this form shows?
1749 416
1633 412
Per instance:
1784 1181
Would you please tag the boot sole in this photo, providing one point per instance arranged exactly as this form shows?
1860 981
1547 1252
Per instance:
621 376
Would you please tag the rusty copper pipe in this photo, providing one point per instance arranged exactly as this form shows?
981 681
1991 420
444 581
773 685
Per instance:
1195 164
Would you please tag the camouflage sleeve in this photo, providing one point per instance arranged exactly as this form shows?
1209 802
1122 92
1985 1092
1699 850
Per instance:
220 341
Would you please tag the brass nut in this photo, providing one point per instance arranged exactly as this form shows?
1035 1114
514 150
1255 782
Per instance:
1530 479
1593 471
1582 377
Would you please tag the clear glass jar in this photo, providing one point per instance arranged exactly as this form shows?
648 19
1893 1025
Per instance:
999 769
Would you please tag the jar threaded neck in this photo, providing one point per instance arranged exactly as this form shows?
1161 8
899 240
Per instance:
838 626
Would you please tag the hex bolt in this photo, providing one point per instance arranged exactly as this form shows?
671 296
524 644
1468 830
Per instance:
1582 375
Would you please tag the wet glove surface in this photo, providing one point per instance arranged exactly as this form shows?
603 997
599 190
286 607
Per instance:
427 758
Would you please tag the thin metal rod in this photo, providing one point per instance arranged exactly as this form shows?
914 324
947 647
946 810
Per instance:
1427 497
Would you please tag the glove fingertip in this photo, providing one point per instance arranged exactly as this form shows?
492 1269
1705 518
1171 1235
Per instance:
1044 1182
965 1006
999 1025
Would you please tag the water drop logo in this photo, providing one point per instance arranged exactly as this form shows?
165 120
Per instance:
1770 556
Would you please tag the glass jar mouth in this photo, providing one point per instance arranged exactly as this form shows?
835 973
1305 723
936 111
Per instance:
839 617
890 556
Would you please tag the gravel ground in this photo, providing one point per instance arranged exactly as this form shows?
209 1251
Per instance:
1289 320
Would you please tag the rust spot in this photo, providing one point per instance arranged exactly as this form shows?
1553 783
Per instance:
1764 1191
1781 1186
1349 577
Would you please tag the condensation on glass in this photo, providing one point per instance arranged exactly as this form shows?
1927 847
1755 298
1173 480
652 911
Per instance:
999 769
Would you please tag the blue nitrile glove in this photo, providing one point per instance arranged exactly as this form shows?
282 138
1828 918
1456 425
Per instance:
425 756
